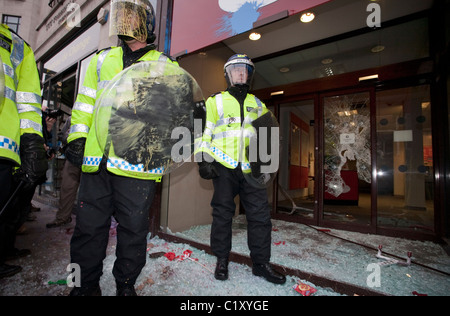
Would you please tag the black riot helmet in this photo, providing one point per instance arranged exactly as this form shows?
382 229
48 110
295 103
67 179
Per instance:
239 70
133 19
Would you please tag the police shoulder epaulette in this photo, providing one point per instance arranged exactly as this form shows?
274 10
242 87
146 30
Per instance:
214 94
103 49
169 57
12 31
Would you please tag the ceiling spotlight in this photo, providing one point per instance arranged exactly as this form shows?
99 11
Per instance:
378 49
307 17
285 69
327 61
254 36
273 94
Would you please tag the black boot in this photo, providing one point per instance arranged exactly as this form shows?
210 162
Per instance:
93 290
17 253
221 272
7 270
266 271
125 290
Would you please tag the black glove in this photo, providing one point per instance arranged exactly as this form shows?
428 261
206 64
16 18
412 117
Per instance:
75 151
33 158
207 170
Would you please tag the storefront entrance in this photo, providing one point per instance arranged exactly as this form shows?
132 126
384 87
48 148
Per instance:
360 119
359 160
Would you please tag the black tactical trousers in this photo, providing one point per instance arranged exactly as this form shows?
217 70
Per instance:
101 196
16 213
257 210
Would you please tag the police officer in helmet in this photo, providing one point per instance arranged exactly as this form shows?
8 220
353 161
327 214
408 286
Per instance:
105 190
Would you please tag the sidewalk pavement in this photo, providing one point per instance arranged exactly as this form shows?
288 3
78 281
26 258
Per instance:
336 257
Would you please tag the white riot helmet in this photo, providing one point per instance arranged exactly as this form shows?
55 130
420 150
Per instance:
239 70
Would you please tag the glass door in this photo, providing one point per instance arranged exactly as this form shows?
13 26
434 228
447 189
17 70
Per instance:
405 182
296 177
347 159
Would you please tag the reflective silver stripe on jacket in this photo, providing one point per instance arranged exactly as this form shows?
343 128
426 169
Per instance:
226 134
219 105
8 70
79 128
89 92
10 94
101 59
23 108
24 123
84 107
260 106
17 53
220 111
27 97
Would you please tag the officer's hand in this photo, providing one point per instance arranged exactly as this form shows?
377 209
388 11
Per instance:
33 158
75 151
207 170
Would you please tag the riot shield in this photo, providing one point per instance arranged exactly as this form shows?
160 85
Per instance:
146 118
260 147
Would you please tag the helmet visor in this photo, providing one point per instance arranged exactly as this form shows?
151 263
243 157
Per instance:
128 18
239 74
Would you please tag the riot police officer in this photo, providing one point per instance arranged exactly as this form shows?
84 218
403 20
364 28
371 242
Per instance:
219 146
106 190
22 155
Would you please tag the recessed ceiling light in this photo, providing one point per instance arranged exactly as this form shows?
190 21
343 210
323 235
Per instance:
254 36
327 61
378 49
285 69
307 17
277 93
372 77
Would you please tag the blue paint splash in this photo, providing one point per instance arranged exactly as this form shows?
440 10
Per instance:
240 21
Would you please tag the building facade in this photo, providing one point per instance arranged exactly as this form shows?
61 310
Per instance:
360 92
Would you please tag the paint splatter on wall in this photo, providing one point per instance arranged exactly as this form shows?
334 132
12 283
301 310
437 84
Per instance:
200 23
241 15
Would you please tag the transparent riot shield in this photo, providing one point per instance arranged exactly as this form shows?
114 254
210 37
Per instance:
146 118
2 84
260 147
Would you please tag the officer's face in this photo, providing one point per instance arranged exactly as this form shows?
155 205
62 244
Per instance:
239 74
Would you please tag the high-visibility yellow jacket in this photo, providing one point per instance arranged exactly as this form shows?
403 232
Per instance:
103 67
20 107
222 135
